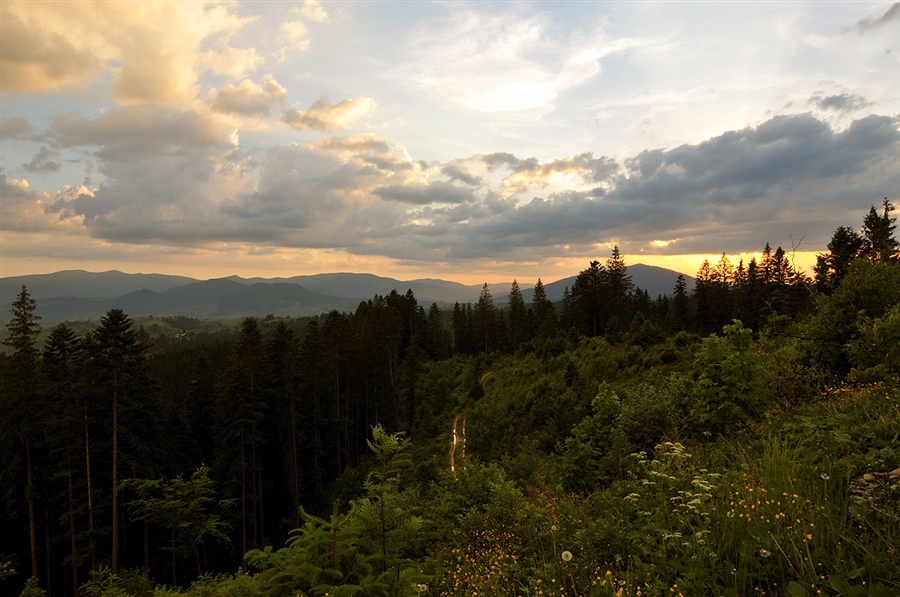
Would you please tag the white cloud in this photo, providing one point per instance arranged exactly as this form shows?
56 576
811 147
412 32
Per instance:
312 11
505 62
153 49
323 116
295 32
233 62
249 98
25 210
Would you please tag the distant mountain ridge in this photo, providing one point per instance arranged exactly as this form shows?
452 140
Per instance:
77 295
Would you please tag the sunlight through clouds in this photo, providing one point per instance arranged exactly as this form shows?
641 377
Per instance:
529 133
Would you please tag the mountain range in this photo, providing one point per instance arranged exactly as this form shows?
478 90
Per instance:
76 295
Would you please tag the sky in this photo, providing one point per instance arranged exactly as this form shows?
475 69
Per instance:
469 141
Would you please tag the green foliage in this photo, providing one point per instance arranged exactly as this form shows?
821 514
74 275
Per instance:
105 583
189 508
582 453
728 390
358 553
869 291
786 374
32 589
6 569
484 527
875 352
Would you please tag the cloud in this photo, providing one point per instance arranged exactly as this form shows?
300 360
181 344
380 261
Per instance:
168 197
25 210
325 117
162 45
382 161
312 11
40 53
365 195
193 194
249 98
844 102
720 194
503 62
153 50
42 161
15 127
18 200
867 24
530 172
354 144
296 32
459 171
143 129
428 194
233 62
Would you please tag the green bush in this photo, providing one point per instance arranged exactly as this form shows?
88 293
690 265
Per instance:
728 391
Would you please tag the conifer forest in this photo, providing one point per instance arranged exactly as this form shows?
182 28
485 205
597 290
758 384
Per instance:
737 437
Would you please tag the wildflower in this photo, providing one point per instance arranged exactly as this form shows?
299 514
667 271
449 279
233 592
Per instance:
765 553
567 556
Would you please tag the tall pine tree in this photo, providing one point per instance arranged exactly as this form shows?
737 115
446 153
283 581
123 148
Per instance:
123 380
20 399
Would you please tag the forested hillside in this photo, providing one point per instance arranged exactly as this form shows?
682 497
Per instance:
738 437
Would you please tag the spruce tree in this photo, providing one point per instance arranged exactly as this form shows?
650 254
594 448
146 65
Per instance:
681 305
65 422
618 287
704 284
237 422
486 319
20 397
879 244
589 308
542 310
845 245
122 378
518 317
282 381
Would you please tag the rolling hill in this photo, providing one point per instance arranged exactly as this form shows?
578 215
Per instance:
77 295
